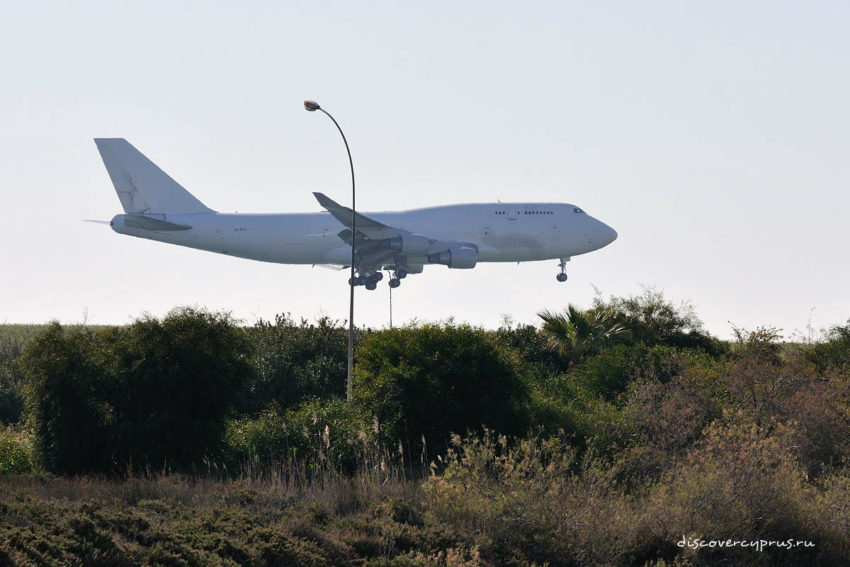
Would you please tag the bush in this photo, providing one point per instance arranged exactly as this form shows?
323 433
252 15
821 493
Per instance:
661 421
11 392
295 362
834 351
608 373
15 452
651 319
153 394
533 348
315 433
821 410
67 407
741 482
436 379
176 380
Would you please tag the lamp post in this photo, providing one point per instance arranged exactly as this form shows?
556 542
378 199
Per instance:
312 106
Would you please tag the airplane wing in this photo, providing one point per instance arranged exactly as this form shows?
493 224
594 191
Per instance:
368 227
379 245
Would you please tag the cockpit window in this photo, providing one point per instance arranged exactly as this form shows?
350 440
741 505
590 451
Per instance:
578 211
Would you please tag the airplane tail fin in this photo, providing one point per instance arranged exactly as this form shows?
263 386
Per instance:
142 187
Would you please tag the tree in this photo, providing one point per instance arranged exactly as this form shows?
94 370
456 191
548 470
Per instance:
651 319
295 362
436 379
176 380
153 394
577 333
66 393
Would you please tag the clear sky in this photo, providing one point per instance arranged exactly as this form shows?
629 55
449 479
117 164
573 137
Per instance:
714 137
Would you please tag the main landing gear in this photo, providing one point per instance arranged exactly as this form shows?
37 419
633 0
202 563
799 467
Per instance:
370 282
562 277
398 275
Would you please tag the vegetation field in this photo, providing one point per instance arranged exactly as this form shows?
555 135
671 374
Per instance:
618 434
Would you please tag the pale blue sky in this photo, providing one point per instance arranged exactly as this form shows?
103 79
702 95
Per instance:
713 137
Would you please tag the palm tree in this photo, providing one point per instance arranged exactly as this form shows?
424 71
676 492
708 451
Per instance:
579 332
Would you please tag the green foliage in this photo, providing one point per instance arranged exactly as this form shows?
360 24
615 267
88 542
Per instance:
11 392
175 380
834 351
67 399
263 439
318 432
577 333
821 411
640 438
608 373
295 362
742 479
153 394
533 348
651 319
661 421
435 379
15 452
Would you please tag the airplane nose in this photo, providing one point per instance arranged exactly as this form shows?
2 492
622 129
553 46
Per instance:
609 235
604 235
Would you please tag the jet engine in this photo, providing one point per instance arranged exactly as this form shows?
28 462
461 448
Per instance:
458 258
410 244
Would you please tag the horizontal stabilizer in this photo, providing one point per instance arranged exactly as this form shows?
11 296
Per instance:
150 223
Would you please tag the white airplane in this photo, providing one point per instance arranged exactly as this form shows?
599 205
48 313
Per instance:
458 236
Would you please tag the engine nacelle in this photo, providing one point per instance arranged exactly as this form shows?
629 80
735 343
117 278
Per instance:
410 244
457 258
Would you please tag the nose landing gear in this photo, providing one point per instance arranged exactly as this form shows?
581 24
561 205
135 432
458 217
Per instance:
562 277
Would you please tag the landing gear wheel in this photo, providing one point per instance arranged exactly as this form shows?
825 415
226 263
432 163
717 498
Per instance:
377 276
395 282
562 277
401 274
371 285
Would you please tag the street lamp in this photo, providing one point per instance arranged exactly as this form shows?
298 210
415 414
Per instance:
312 106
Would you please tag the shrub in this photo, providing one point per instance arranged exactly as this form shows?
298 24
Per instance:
608 373
834 350
435 379
759 378
319 432
533 348
821 410
741 482
152 394
67 401
295 362
11 392
662 421
176 380
651 319
15 452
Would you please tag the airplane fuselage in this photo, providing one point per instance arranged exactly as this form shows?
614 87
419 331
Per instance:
502 232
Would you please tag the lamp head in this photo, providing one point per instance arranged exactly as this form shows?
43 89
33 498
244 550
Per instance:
311 105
